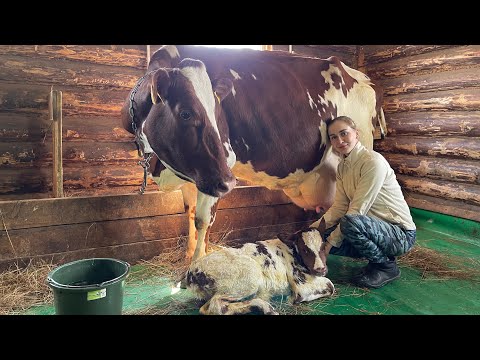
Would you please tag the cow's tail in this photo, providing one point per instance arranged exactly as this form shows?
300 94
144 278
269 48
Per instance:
382 123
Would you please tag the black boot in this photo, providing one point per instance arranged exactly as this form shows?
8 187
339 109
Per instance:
364 270
379 274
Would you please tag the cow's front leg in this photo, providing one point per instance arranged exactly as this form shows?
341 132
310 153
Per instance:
204 218
189 192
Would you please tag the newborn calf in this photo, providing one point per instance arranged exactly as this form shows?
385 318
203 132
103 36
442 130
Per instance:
242 280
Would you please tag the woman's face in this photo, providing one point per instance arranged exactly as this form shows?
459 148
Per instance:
343 137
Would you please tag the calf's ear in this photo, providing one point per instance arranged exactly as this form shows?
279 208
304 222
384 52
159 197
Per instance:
286 238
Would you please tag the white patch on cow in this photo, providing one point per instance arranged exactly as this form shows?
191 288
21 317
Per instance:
310 101
172 51
254 77
245 144
203 89
232 157
233 91
304 189
359 104
323 132
235 74
168 181
143 141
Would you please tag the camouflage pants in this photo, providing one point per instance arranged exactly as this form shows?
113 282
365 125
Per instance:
371 238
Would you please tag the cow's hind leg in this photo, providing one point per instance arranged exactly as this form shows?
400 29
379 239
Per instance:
225 305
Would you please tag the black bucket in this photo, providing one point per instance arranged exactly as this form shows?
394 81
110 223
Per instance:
89 287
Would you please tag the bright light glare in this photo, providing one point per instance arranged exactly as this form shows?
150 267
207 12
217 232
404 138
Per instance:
254 47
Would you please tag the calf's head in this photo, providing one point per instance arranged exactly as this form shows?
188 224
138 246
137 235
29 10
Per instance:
177 114
307 244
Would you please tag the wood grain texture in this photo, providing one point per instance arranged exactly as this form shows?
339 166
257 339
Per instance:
449 123
115 55
461 148
57 72
461 57
435 168
47 212
386 53
449 80
467 193
444 206
456 100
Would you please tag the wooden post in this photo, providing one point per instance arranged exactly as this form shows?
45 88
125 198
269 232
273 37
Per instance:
55 110
148 55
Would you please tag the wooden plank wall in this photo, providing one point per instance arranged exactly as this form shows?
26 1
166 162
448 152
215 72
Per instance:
134 227
432 109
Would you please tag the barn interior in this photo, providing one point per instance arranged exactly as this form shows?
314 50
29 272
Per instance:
70 176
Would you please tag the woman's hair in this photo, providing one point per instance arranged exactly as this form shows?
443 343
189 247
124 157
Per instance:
345 119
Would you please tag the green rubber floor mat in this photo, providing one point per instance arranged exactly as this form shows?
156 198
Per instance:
439 276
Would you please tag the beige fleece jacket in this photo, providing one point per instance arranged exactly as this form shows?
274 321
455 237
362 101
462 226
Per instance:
367 185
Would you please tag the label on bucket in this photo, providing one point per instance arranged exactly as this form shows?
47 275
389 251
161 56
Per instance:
96 294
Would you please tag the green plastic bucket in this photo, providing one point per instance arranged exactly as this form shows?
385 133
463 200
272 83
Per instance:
89 287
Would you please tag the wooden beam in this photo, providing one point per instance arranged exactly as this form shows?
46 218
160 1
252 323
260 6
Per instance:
55 110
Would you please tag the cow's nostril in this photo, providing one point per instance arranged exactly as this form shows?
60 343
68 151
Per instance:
222 186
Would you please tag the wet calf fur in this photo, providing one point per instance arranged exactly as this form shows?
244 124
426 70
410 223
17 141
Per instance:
243 280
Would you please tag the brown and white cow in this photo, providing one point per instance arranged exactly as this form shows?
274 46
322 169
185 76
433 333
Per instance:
235 281
213 115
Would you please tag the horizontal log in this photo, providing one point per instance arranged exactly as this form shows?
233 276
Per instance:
344 53
116 55
457 100
436 168
19 155
25 181
449 80
461 148
25 70
381 53
468 193
450 123
23 127
33 99
26 214
56 239
95 128
75 177
444 206
461 57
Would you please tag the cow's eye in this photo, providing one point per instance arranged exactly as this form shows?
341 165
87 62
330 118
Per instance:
185 115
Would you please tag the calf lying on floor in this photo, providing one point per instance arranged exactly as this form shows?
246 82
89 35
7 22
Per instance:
242 280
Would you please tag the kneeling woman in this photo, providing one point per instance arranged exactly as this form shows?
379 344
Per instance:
369 217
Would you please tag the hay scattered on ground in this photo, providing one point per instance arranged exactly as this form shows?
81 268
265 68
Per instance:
434 264
22 288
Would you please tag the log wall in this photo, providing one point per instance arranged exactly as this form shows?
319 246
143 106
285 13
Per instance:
98 156
432 109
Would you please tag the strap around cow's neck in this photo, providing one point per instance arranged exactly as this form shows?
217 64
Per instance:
145 162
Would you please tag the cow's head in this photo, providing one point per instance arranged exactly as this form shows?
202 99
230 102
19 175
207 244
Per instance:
179 117
307 243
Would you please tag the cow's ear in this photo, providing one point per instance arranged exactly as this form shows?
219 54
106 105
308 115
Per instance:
165 57
286 238
159 85
222 87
